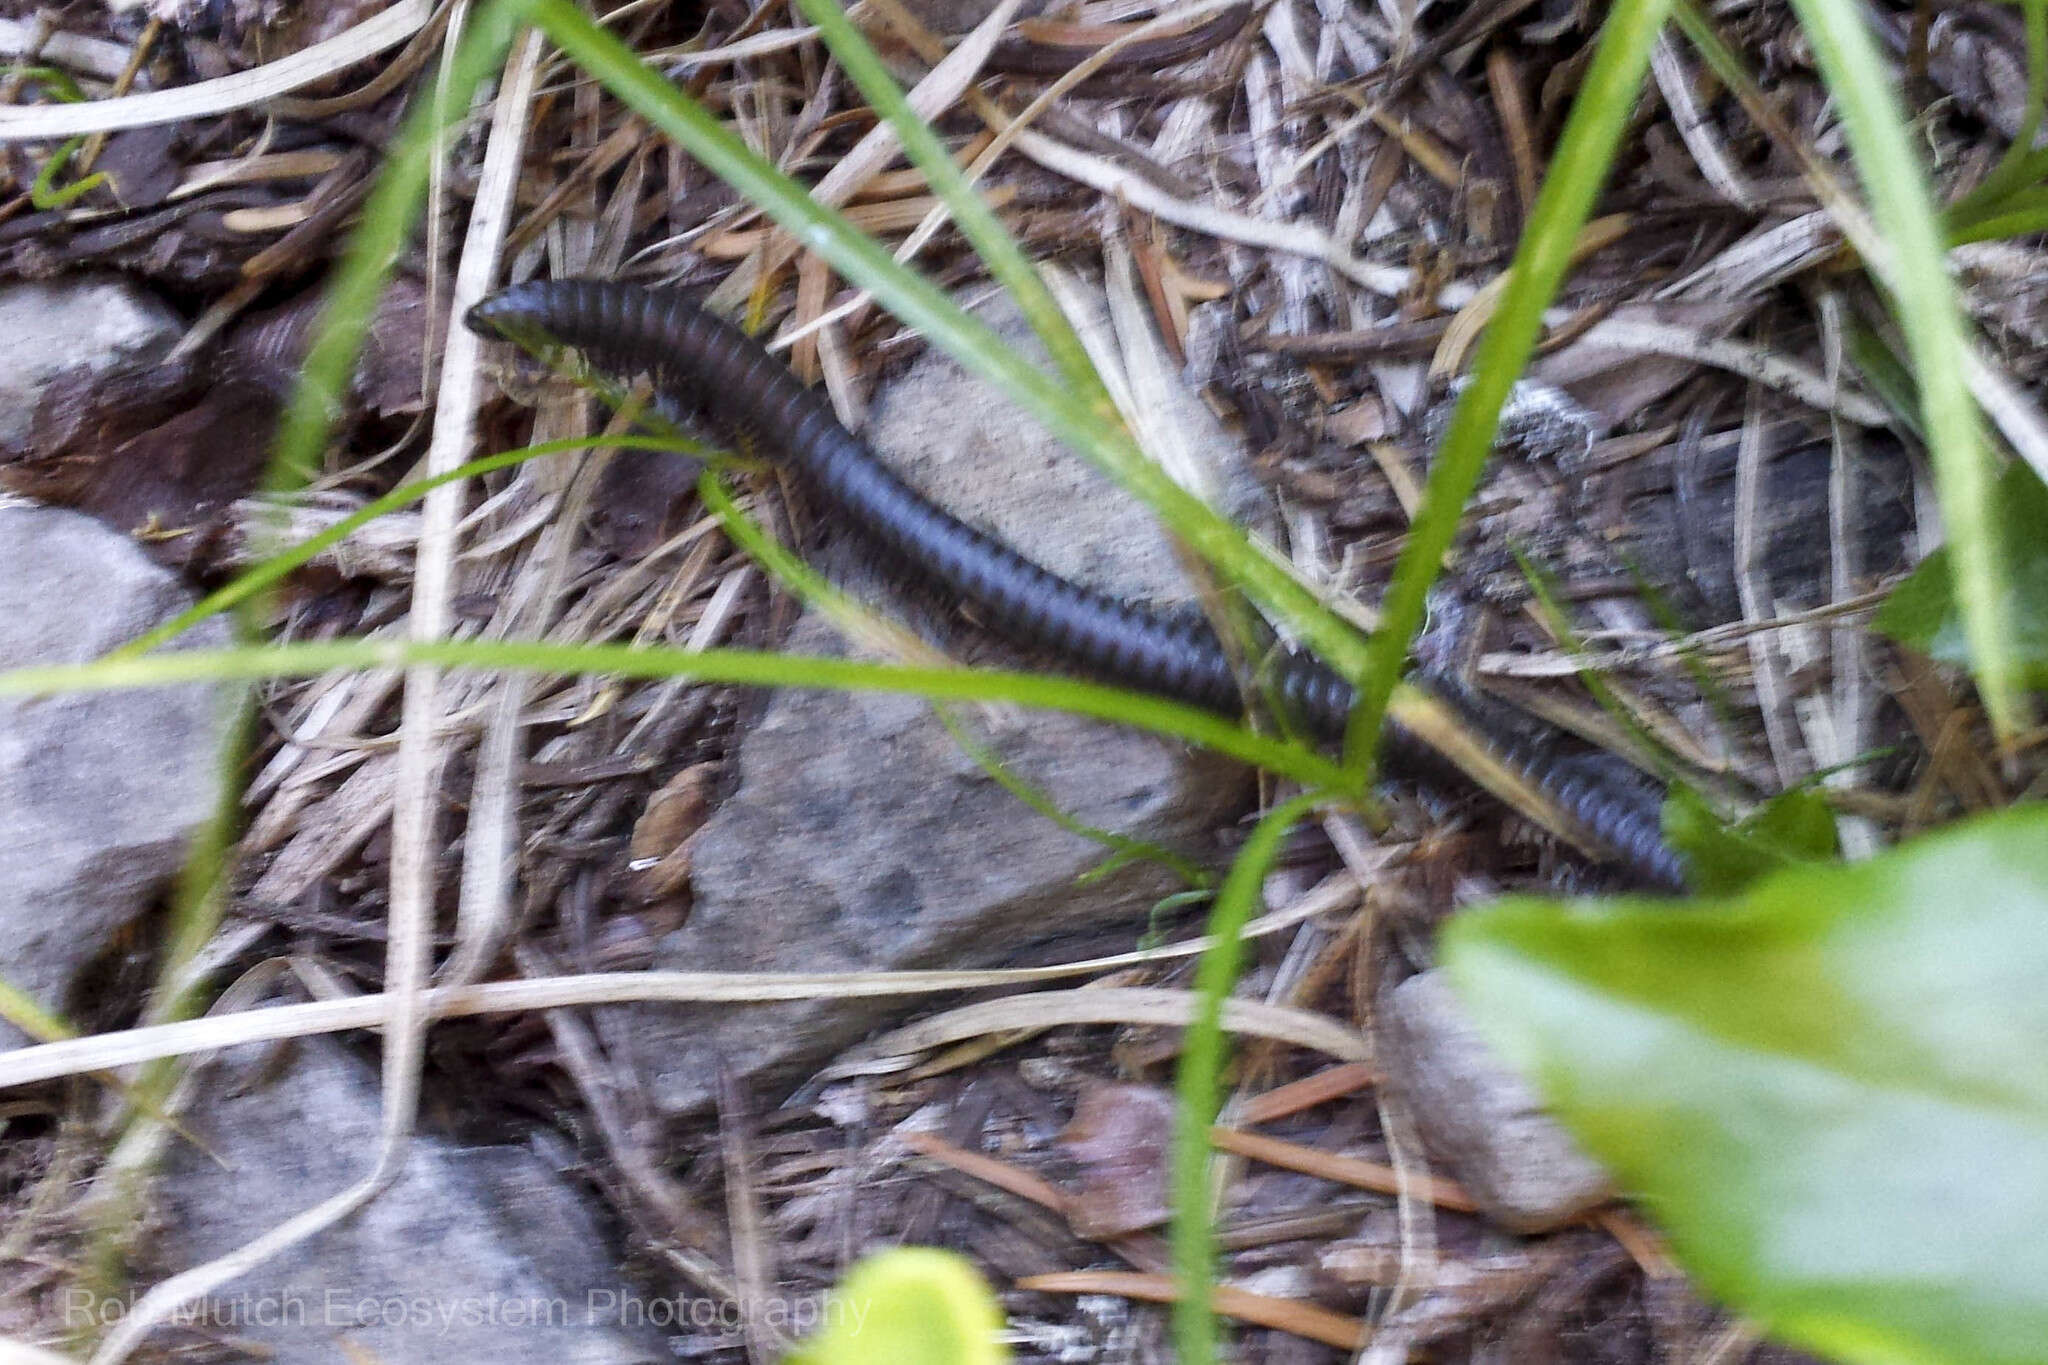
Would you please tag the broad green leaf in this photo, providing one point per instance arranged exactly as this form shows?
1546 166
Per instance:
910 1306
1831 1091
1922 611
1793 827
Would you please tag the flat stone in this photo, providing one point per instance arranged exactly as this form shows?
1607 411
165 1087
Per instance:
860 837
100 792
56 327
476 1256
1478 1117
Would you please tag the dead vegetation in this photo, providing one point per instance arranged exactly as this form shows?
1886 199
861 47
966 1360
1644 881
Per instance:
1309 201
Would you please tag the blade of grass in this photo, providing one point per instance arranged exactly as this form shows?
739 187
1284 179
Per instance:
1667 619
852 618
43 191
200 899
998 250
1901 204
2020 215
1578 169
26 1013
738 667
389 215
1199 1088
1122 847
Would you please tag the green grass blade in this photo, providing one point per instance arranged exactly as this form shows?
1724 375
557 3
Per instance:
1578 169
2022 215
739 667
1200 1085
971 214
1549 609
200 901
1122 848
852 618
389 215
43 191
26 1013
1901 204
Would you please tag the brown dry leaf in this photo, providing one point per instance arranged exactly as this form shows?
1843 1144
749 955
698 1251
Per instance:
157 453
642 498
83 411
1120 1135
663 834
143 165
172 482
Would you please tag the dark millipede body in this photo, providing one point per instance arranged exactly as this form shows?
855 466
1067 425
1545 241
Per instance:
714 369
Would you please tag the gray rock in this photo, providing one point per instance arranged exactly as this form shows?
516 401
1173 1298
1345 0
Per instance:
1477 1116
477 1254
861 838
99 791
56 327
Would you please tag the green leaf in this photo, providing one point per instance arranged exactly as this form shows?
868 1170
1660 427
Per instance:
1922 611
1832 1091
1975 216
910 1306
1793 827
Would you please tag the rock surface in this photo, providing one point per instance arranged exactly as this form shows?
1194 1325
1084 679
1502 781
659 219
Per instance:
477 1256
860 837
59 327
99 791
1477 1116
